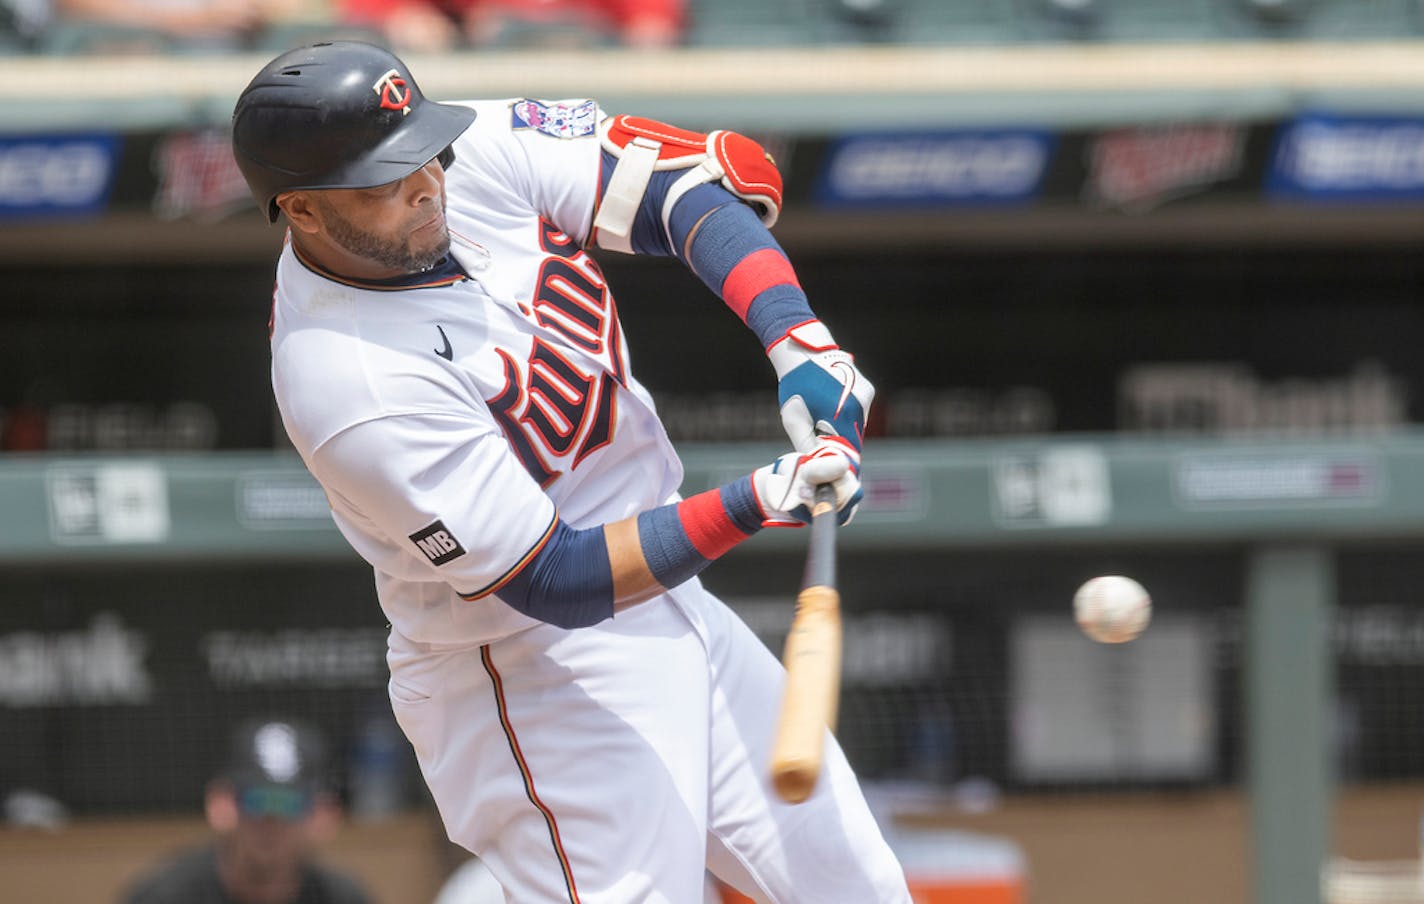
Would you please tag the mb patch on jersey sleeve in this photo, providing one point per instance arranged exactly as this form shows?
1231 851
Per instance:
556 119
437 543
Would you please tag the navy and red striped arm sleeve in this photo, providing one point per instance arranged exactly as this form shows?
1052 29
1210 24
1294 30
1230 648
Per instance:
734 254
681 539
731 251
568 580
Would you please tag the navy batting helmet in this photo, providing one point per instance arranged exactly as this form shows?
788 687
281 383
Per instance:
343 114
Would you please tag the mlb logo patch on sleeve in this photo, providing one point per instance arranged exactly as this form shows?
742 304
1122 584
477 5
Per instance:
437 543
556 119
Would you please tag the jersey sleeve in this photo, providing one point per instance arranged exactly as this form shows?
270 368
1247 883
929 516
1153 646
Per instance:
549 152
442 490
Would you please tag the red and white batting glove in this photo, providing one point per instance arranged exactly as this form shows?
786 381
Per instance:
786 487
822 392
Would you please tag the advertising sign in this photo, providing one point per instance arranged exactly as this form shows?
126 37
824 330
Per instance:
1325 158
49 176
926 169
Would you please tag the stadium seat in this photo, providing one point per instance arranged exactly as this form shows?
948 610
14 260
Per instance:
956 22
1160 20
17 27
76 38
979 22
522 34
12 44
286 35
757 23
1333 20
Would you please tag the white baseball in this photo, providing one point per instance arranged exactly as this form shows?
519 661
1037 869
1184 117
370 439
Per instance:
1112 608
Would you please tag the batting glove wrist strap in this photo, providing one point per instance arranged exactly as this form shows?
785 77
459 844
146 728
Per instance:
800 344
822 392
786 488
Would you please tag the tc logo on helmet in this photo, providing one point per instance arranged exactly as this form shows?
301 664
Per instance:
393 92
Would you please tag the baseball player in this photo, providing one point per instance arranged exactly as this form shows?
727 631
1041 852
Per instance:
269 809
449 362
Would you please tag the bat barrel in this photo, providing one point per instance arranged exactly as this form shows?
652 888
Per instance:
794 781
812 694
813 663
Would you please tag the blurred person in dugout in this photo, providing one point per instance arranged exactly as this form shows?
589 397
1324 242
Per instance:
269 809
442 25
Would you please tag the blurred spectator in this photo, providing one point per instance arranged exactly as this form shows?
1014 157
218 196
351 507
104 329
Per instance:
146 25
22 22
439 25
268 809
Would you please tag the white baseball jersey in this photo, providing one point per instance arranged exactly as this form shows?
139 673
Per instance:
446 421
451 423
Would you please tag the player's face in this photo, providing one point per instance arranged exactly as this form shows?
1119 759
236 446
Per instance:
396 228
270 845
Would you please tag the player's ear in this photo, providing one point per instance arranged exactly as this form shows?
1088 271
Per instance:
220 806
325 819
300 210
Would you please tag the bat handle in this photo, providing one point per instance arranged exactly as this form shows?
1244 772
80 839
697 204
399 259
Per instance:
821 560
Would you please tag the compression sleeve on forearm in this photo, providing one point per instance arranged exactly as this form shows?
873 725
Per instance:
736 256
682 538
569 583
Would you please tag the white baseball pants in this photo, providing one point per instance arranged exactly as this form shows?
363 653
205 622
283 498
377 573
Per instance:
614 764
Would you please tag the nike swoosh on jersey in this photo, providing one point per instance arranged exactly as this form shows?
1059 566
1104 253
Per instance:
447 352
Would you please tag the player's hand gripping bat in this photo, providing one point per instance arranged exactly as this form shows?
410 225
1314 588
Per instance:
813 662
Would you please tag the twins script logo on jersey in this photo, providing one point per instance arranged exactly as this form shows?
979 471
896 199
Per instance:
558 120
394 93
551 409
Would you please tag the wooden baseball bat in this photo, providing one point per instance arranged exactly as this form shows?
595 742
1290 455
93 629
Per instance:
813 662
